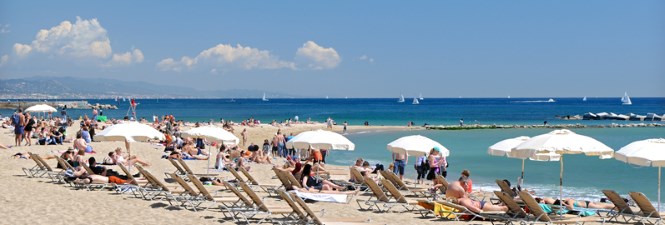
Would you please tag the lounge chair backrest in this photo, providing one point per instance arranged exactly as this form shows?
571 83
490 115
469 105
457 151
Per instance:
249 176
34 158
444 183
185 166
304 206
533 206
235 173
184 185
393 191
64 164
40 159
255 198
293 180
646 208
376 190
130 177
357 176
202 189
152 179
282 178
177 167
237 193
292 204
87 169
513 207
618 201
505 188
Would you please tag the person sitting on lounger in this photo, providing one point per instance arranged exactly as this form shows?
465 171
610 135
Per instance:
456 191
570 203
189 151
119 158
309 181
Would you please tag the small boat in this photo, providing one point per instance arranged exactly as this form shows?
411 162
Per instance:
584 99
550 100
401 99
415 101
420 97
264 97
625 100
327 97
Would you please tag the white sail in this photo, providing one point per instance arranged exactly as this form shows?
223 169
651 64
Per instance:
625 100
584 99
550 100
421 96
415 101
401 98
264 97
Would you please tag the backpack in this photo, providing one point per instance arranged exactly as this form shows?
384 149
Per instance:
16 119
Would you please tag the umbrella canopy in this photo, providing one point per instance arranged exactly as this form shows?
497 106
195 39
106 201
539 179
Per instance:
650 152
505 147
41 108
416 145
320 139
563 142
213 133
130 131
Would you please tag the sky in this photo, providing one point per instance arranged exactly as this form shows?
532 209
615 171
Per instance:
346 48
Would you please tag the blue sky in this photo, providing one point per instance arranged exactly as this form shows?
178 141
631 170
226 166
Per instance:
347 48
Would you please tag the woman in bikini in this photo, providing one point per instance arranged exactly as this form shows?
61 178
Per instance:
308 181
572 203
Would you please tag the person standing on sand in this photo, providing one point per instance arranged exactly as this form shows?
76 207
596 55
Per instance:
401 159
244 136
344 130
18 120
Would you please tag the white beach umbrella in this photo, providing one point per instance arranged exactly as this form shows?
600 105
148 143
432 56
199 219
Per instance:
563 142
129 132
212 133
41 108
320 139
505 147
416 145
650 152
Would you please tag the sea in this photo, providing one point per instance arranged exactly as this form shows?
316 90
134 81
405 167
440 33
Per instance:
584 176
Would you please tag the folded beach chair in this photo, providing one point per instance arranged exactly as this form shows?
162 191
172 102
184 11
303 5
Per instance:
542 217
648 213
623 210
307 216
207 197
260 208
57 176
190 171
515 212
419 192
38 170
158 189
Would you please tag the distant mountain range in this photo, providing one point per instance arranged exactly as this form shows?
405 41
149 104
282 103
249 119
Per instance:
80 88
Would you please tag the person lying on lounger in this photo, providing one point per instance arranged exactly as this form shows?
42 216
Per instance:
456 191
572 203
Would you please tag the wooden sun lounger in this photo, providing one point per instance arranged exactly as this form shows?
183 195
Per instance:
208 197
190 197
179 171
648 213
159 189
190 171
38 170
286 183
505 188
515 212
270 189
133 185
55 176
392 177
92 186
382 202
308 216
260 208
623 210
542 217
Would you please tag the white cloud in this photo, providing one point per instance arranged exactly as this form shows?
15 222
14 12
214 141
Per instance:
225 57
22 50
83 39
3 60
366 58
317 57
4 28
135 56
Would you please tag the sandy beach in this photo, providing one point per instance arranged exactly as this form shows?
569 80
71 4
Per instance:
38 201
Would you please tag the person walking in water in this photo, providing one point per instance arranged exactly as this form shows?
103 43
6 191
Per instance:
461 122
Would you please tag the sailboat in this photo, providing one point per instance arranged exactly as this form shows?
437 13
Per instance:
264 97
401 98
584 99
420 97
625 100
415 101
550 100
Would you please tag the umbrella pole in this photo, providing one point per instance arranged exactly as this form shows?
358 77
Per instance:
208 168
520 182
561 185
659 188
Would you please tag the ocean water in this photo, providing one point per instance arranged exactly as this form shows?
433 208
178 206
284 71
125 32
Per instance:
584 176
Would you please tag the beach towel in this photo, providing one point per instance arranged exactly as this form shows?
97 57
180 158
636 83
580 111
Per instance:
322 197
